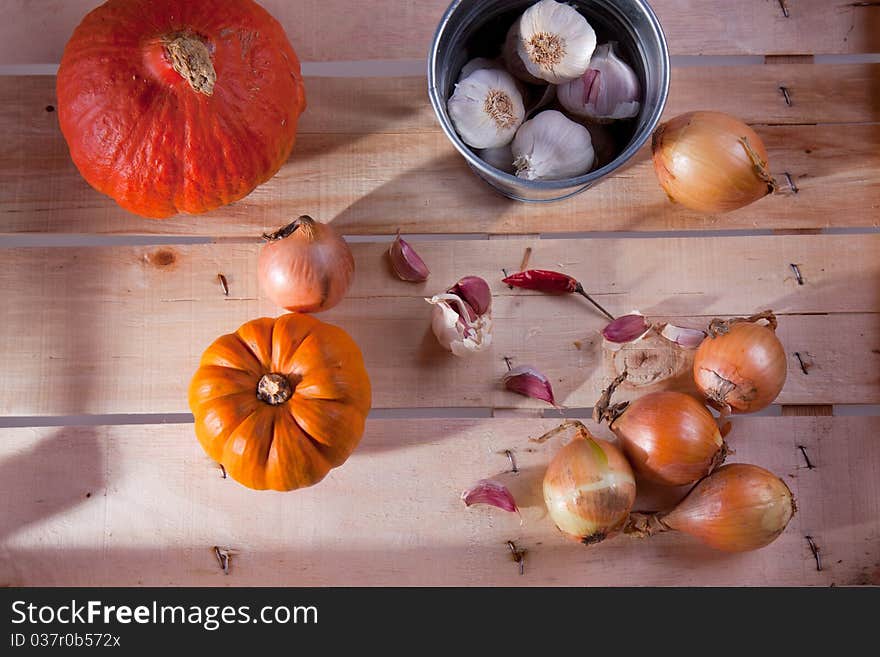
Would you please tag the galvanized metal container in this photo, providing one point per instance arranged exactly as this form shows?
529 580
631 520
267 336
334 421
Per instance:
632 23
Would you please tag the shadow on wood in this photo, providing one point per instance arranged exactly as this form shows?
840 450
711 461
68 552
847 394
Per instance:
52 476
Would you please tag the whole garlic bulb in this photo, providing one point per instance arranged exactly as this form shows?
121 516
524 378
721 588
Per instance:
555 41
608 91
486 108
552 147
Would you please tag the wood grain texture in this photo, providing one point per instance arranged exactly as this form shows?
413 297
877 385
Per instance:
323 30
121 329
143 505
374 161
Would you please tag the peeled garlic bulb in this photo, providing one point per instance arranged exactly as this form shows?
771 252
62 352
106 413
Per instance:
608 91
501 158
478 64
486 108
555 41
552 147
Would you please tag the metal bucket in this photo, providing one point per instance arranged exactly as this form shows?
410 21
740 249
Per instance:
632 23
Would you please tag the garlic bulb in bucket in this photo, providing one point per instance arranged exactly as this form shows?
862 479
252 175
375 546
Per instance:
486 108
555 41
552 147
609 90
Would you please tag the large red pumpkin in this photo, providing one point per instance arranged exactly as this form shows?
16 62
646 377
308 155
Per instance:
179 105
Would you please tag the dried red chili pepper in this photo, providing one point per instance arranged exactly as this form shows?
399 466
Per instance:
552 282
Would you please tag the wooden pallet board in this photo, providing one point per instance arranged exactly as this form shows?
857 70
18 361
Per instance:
369 175
142 505
323 30
121 329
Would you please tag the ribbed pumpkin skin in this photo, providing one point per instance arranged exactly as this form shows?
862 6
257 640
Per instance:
140 133
296 443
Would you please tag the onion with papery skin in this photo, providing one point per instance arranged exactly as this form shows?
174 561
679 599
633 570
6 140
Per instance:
669 437
741 367
305 266
711 162
589 487
737 508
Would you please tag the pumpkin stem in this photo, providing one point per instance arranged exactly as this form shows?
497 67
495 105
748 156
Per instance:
305 222
190 57
274 389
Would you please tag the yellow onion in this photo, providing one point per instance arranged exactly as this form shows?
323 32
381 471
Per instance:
741 367
737 508
669 437
589 488
711 162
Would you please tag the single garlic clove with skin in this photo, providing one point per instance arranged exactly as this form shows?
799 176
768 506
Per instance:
608 91
501 158
555 41
627 329
491 492
486 108
475 292
406 263
529 382
684 337
552 147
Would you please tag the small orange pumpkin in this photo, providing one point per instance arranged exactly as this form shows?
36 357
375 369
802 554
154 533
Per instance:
281 402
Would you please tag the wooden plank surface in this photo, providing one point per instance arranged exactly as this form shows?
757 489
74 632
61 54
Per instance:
121 329
342 30
398 170
142 505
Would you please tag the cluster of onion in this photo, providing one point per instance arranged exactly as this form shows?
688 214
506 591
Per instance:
671 438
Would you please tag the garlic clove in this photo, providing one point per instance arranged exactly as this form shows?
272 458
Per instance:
512 61
486 108
479 64
501 158
406 263
626 329
552 147
529 382
684 337
608 91
491 492
555 41
475 292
